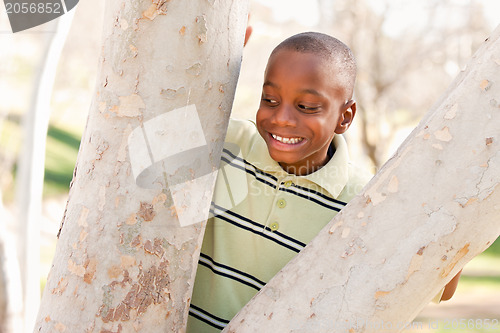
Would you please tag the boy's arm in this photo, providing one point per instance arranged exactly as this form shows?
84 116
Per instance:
450 288
248 32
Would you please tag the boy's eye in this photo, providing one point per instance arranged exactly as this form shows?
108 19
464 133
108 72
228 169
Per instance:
270 101
308 108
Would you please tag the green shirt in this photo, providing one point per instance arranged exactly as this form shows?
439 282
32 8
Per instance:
262 217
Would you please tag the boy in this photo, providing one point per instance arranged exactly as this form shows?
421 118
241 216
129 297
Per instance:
281 179
292 172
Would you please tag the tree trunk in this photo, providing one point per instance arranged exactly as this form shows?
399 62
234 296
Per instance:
429 210
32 166
131 235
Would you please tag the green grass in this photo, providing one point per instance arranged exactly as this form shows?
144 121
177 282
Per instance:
493 250
476 283
60 158
485 262
482 272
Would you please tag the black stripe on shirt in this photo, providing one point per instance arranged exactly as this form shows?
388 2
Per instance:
208 314
249 168
256 282
302 195
259 226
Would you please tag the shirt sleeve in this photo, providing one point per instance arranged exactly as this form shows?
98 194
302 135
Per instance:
437 298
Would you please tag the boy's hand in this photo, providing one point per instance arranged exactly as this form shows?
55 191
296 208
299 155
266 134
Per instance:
248 32
450 288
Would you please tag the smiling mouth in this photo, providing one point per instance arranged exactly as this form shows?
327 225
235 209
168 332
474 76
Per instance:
288 141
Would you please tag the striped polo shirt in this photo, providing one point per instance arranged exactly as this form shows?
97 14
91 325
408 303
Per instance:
261 218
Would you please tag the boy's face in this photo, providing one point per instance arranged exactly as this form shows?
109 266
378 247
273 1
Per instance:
302 107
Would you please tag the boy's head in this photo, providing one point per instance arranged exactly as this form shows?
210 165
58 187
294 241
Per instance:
306 100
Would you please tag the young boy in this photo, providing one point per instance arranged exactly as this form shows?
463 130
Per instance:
281 179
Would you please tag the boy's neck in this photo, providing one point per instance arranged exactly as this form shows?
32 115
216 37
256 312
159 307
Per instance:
309 168
304 170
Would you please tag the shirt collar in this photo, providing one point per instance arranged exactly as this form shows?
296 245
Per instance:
332 177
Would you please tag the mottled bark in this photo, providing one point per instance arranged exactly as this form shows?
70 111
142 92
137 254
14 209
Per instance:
429 210
123 261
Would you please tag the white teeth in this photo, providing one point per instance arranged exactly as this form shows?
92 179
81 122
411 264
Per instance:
290 141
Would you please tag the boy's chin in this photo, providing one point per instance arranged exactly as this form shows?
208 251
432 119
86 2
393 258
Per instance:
293 164
283 160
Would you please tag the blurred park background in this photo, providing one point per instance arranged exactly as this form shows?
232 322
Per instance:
408 52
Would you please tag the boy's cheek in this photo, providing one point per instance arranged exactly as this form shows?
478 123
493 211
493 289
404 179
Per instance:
258 116
258 123
262 114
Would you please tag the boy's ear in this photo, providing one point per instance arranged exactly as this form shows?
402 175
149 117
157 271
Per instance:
346 116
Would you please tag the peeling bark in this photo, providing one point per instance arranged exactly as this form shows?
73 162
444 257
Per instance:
430 209
123 262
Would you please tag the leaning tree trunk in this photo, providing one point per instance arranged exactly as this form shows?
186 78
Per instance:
428 211
131 235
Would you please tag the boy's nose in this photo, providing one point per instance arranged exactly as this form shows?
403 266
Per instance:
284 116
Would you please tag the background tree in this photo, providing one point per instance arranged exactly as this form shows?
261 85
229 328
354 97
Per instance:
11 308
402 66
31 168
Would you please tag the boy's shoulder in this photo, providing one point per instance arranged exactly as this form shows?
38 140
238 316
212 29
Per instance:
358 178
239 129
243 137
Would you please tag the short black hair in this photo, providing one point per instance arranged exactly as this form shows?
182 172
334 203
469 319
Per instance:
332 50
